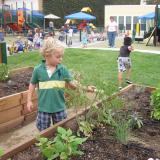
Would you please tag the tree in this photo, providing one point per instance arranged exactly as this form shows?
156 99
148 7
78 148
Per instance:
64 7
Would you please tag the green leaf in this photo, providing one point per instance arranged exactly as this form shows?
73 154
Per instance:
59 146
69 132
56 155
3 72
1 152
43 140
48 152
78 153
63 156
61 130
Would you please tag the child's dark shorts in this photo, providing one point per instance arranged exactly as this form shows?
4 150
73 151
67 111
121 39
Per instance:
124 63
44 119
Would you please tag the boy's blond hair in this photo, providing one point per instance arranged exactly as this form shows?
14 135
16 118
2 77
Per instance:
50 45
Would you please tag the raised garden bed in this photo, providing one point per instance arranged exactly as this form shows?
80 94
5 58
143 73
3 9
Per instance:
13 99
143 144
18 81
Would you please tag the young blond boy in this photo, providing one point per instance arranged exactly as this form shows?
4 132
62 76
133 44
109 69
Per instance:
51 77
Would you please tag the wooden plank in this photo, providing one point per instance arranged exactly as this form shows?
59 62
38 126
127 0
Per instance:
24 97
10 101
123 90
20 69
10 114
150 89
147 88
25 111
5 127
30 117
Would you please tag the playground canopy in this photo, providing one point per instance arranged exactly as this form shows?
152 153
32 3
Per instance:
51 16
38 14
147 16
80 16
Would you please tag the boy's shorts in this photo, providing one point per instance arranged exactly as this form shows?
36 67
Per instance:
124 63
44 119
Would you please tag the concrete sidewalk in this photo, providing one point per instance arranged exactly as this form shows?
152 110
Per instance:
102 45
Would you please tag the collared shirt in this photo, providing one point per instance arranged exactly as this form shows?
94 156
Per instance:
50 89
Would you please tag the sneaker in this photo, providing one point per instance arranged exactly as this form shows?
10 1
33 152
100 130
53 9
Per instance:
128 81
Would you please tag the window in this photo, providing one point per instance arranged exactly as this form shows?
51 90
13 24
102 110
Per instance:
135 21
143 24
128 22
121 22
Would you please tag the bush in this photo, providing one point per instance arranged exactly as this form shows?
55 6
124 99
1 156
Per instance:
155 102
135 121
3 72
63 146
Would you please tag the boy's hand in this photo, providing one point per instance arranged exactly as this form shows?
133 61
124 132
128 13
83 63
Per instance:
29 106
91 89
130 48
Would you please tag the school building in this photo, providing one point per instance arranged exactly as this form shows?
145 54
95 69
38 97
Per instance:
127 16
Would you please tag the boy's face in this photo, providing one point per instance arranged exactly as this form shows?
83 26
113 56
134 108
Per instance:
56 57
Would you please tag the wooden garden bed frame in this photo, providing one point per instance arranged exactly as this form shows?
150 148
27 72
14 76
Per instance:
70 122
13 112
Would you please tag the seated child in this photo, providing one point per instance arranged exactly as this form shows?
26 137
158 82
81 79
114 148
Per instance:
11 49
19 45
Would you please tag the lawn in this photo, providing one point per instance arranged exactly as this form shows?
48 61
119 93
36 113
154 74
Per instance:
99 66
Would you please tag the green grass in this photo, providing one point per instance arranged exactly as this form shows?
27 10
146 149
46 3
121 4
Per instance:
99 65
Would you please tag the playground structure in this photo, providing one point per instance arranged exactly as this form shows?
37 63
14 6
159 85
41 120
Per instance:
153 30
20 19
156 26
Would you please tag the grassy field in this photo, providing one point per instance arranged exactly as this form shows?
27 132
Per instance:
99 66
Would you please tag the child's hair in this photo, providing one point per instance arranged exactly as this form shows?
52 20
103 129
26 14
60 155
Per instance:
127 41
50 45
111 17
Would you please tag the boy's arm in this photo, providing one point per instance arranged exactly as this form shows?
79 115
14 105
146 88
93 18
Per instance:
31 90
130 48
74 86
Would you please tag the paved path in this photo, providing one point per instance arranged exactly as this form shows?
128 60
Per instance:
138 47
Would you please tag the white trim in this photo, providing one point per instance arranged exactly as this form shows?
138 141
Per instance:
148 5
125 22
118 23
